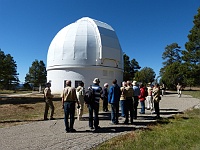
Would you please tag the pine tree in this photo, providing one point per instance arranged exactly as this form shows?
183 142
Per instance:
171 54
145 75
37 74
192 53
130 68
8 72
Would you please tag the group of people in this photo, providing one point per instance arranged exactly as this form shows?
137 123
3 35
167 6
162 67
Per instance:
132 94
127 96
73 98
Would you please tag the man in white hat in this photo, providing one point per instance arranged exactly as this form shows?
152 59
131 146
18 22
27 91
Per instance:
94 105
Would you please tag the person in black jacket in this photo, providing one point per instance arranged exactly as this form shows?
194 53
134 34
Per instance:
105 97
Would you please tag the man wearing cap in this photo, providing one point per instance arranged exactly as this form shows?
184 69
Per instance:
48 102
94 105
69 99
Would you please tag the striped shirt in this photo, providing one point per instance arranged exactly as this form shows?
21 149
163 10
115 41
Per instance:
97 90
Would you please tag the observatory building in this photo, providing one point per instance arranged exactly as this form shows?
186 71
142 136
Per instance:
82 51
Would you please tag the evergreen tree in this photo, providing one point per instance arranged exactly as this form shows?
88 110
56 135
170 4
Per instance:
145 75
134 67
172 57
130 68
127 75
8 72
171 54
191 55
37 74
2 57
192 52
172 75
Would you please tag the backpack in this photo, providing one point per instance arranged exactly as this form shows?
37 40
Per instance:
89 96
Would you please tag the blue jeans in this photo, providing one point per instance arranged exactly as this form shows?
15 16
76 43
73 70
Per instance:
122 104
69 110
142 106
115 113
93 107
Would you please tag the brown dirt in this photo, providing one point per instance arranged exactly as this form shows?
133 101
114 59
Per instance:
14 111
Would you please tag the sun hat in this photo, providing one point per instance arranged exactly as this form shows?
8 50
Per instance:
96 80
106 84
134 82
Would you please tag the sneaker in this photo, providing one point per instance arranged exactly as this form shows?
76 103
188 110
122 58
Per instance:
98 127
114 123
125 122
67 130
72 130
142 112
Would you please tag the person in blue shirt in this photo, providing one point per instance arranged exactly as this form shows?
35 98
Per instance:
113 99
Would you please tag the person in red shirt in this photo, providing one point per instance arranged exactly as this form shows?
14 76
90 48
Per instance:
142 98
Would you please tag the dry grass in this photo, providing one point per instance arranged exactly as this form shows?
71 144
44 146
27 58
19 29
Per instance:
20 110
25 109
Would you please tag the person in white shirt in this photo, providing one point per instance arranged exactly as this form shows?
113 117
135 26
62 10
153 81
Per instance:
80 93
149 97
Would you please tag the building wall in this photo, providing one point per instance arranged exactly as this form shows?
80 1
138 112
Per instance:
82 51
87 75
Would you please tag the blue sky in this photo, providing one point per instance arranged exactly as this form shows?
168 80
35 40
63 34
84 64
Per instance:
144 27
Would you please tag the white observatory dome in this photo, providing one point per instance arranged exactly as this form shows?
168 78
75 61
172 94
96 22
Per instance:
83 51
